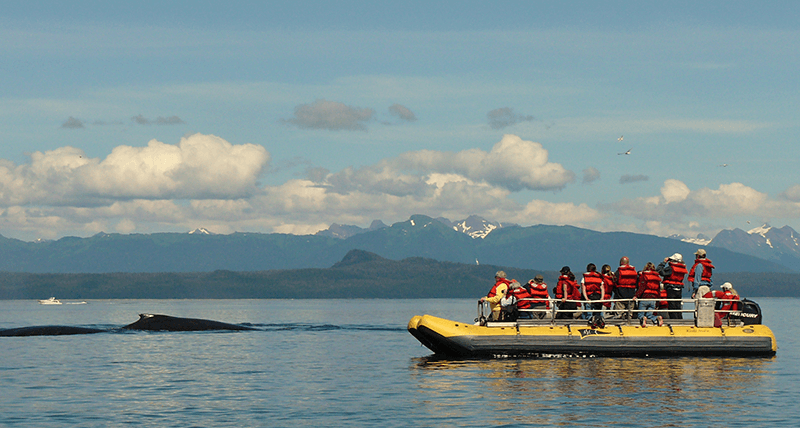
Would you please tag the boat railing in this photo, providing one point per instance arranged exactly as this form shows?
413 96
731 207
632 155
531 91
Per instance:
627 315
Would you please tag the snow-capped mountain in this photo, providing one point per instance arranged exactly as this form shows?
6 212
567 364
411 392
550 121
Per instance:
474 226
699 240
770 243
201 231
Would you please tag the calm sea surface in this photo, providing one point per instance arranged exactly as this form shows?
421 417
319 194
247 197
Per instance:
352 363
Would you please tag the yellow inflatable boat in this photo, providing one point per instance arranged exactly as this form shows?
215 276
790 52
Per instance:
741 335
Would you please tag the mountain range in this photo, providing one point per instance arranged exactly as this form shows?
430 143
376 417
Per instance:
470 241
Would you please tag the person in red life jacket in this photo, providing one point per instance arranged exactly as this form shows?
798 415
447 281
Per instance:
608 282
522 296
625 288
567 289
593 288
646 294
702 276
673 271
497 293
728 300
541 298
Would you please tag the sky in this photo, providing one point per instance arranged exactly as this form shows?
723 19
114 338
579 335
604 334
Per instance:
165 116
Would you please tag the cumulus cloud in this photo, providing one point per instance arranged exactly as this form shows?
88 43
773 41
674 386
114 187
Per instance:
627 178
590 175
402 112
72 123
513 164
330 115
678 203
200 166
503 117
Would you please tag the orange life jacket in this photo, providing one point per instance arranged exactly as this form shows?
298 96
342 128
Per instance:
677 275
707 267
627 277
592 281
649 285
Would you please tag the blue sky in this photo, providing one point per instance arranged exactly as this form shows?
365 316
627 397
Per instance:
276 117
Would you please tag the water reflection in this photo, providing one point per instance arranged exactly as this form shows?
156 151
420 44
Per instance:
681 391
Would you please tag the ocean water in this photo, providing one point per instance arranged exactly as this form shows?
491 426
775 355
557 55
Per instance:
352 363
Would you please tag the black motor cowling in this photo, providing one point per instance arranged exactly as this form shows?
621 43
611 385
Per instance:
749 312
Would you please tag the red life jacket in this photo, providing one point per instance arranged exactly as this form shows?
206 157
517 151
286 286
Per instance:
493 291
627 277
608 280
573 292
521 293
592 281
649 285
662 294
539 291
707 267
728 303
677 275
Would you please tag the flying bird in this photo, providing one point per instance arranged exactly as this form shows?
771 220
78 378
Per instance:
620 138
724 165
625 153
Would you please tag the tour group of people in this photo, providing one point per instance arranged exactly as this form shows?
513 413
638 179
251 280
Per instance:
653 293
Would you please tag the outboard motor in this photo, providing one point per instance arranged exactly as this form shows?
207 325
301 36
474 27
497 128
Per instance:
749 312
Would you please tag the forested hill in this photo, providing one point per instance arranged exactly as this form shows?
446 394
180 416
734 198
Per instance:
359 274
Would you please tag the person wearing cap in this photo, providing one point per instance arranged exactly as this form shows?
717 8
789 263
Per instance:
673 271
497 293
567 289
702 276
727 301
541 298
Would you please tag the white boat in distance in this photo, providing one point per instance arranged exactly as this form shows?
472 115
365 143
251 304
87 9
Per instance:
50 301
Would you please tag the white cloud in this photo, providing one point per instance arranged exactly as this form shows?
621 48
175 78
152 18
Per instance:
200 166
678 205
